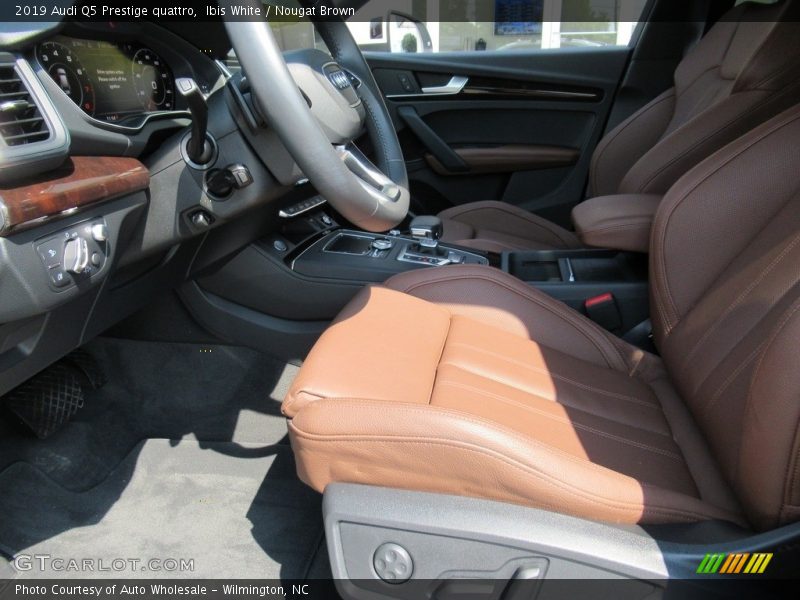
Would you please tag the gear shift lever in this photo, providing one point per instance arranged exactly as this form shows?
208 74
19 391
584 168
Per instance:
426 227
427 230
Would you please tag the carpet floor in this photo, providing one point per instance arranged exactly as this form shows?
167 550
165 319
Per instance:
182 454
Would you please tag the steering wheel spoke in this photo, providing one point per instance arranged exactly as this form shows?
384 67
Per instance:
368 173
359 190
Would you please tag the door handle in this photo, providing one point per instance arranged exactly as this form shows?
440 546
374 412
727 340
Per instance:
455 86
452 87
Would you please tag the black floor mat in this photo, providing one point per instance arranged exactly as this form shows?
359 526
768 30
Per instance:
182 454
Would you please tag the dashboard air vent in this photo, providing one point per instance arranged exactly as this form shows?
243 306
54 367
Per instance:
21 121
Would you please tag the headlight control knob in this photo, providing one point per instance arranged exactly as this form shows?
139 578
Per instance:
76 255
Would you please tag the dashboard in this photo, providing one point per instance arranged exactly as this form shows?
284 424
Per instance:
100 210
114 82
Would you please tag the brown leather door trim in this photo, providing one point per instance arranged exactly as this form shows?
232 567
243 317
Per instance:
508 158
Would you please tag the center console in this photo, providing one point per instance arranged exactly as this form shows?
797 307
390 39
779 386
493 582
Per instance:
360 256
301 276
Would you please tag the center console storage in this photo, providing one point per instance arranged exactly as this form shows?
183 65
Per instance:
588 279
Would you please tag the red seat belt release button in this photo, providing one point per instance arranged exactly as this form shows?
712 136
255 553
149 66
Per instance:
603 310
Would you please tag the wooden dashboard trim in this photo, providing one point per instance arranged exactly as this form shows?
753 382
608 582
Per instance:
78 183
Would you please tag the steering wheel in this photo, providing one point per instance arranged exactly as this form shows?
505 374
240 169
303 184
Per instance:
313 105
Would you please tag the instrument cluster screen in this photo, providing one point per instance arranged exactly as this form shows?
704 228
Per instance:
110 81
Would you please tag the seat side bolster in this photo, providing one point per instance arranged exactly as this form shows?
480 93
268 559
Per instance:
619 150
660 167
378 443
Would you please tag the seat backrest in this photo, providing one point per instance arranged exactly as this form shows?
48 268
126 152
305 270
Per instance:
725 294
744 71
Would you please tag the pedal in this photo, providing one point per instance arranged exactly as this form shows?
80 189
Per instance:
48 400
87 366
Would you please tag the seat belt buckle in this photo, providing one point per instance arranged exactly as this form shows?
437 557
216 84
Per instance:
603 310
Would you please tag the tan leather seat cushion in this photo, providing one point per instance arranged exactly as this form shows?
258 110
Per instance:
466 399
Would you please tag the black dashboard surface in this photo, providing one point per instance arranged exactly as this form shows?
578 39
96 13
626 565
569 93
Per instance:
112 81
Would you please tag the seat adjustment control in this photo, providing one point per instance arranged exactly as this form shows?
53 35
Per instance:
392 563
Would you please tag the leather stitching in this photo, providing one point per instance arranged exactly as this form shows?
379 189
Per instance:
554 375
631 225
741 297
664 221
543 225
791 311
712 402
686 515
572 423
590 336
682 154
621 128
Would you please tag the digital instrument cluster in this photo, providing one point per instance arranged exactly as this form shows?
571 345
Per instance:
115 82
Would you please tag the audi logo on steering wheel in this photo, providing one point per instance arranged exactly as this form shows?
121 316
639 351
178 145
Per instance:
339 79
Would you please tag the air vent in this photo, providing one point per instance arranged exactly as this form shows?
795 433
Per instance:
21 120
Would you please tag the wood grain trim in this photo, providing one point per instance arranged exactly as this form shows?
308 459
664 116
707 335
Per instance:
507 159
79 182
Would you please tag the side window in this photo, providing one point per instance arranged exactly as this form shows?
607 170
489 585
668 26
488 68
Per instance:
493 25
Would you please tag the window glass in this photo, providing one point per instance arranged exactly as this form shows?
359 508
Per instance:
493 25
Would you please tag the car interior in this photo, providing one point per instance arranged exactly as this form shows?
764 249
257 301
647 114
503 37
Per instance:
431 324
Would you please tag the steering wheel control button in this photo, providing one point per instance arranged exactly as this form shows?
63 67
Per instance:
302 207
393 563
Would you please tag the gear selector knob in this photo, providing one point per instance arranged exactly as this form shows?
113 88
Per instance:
428 227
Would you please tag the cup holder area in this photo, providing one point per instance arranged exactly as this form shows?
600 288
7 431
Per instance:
576 266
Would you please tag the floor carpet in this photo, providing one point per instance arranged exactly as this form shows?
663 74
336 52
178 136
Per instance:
181 455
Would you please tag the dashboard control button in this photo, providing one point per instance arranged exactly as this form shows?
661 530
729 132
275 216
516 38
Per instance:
51 252
381 244
99 232
97 259
59 277
280 246
201 219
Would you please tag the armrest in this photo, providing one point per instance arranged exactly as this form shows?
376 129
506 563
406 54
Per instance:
621 222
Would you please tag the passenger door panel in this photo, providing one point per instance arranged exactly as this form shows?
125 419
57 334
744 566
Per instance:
521 128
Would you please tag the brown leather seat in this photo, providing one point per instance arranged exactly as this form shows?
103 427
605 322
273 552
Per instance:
464 380
743 72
